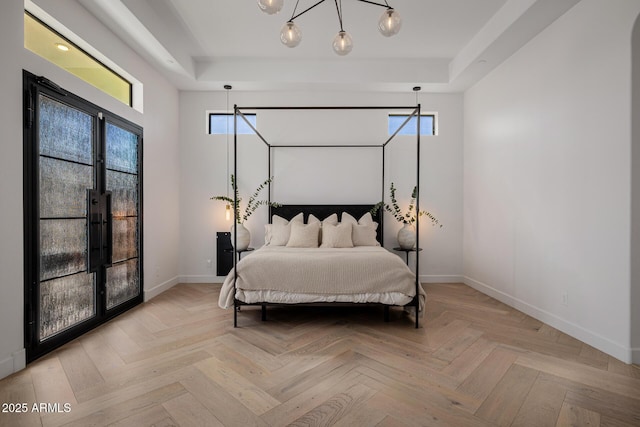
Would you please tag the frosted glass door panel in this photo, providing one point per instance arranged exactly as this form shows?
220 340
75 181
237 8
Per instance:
67 292
65 302
123 283
125 239
63 188
63 247
124 193
122 149
123 277
65 132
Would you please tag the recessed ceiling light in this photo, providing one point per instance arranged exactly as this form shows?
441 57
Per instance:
62 47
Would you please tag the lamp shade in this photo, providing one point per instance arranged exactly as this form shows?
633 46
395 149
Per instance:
270 6
343 43
290 35
390 23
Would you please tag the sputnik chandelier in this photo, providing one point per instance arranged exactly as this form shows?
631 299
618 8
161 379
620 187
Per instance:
389 23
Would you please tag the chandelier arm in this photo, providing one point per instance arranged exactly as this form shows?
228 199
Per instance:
339 9
386 6
306 10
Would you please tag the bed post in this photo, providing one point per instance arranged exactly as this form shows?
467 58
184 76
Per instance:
235 312
418 220
383 176
269 176
235 212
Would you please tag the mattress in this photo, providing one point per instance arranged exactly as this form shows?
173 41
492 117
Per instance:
283 275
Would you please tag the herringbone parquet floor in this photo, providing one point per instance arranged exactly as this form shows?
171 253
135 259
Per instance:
177 361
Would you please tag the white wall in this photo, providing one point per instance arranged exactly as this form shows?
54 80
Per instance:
319 179
547 176
11 246
635 195
160 123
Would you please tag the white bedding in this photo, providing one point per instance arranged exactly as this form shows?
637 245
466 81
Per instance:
277 274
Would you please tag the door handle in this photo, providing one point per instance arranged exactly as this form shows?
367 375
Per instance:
100 237
99 230
108 230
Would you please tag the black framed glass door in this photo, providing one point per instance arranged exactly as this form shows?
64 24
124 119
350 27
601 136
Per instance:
83 234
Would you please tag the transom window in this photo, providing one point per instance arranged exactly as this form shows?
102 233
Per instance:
222 124
427 124
40 39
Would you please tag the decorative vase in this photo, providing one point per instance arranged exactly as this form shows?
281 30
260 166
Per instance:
243 237
407 237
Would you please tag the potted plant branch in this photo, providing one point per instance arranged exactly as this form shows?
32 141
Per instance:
407 234
243 235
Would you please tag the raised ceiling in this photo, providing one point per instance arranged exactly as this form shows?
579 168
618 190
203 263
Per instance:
444 45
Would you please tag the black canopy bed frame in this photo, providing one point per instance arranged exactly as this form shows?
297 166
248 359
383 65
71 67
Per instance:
321 211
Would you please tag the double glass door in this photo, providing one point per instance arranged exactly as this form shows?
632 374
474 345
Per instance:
83 239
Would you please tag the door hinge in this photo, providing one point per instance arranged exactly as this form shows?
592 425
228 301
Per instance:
50 85
29 113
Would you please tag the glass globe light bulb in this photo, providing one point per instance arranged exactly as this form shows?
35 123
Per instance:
390 23
343 43
290 34
270 6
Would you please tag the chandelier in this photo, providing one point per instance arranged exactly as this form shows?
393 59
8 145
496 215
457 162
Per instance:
290 35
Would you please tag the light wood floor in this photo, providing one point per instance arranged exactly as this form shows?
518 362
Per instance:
177 361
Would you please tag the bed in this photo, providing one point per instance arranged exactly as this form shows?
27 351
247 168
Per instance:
289 273
238 287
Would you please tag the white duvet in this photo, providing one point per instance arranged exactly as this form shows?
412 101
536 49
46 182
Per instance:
278 274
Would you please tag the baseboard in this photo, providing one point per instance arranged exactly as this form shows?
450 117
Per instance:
14 363
635 356
158 289
593 339
6 367
449 278
202 279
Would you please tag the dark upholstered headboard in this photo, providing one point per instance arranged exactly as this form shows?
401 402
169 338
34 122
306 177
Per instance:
323 211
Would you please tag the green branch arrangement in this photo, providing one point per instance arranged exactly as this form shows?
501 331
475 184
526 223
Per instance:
410 216
252 204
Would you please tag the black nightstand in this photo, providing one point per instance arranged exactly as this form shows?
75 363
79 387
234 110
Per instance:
406 252
224 253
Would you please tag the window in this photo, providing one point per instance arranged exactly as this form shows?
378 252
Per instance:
52 46
427 124
220 122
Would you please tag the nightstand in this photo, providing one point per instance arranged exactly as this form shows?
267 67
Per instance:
406 252
240 252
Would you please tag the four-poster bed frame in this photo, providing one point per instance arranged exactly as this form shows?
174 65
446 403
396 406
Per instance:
415 112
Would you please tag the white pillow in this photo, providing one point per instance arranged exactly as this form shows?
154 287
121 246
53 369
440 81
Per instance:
312 219
277 233
364 229
304 235
366 219
364 235
331 219
348 218
337 236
